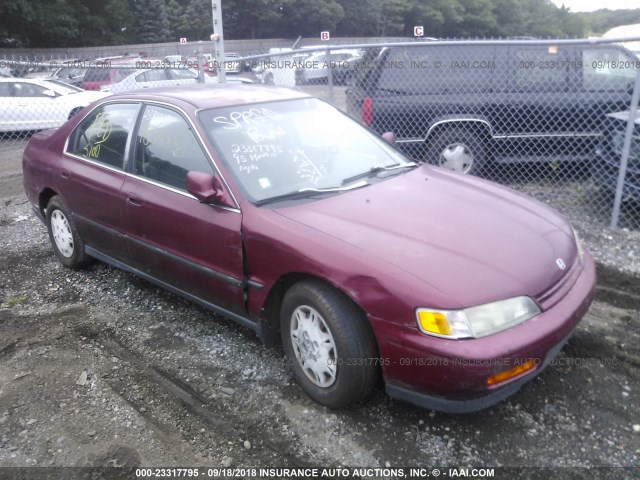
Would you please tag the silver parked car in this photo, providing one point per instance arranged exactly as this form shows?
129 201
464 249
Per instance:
161 77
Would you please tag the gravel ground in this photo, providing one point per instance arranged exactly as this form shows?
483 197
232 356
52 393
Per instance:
99 368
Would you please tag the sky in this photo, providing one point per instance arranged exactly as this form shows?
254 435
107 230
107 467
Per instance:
590 5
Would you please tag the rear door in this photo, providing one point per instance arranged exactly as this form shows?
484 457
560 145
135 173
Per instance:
171 236
92 174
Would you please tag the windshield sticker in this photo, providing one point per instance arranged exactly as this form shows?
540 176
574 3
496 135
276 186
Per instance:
264 182
248 118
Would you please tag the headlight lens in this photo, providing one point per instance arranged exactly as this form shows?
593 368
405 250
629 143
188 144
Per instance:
477 321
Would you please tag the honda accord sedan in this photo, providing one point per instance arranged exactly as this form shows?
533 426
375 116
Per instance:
274 209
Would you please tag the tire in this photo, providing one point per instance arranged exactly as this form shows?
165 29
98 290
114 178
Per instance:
461 150
73 112
335 366
64 236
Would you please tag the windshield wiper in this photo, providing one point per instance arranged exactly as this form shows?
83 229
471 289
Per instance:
308 192
378 169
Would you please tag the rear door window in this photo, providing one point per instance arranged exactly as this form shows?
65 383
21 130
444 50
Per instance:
103 136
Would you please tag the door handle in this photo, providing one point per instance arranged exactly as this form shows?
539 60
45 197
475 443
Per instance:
133 199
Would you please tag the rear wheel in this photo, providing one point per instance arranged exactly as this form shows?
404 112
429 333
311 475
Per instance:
64 236
329 343
461 150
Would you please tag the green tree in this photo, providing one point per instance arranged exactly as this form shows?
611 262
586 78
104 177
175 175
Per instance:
439 17
310 17
253 18
152 24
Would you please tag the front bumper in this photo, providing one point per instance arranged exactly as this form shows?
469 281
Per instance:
451 375
453 405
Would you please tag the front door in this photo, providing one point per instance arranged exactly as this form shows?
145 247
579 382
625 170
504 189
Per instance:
171 236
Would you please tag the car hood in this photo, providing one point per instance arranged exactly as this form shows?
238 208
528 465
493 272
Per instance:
474 241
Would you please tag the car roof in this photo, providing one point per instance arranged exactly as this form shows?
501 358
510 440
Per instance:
35 81
210 96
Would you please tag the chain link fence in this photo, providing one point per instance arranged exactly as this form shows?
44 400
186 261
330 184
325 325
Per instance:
555 118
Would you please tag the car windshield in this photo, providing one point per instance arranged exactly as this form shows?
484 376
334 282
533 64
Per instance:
280 148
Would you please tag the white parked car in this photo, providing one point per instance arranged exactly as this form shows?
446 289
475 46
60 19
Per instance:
153 77
29 104
317 65
161 77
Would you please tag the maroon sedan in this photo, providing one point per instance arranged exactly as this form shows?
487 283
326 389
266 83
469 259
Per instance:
274 209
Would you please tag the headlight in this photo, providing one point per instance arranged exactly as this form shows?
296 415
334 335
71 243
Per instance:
578 243
477 321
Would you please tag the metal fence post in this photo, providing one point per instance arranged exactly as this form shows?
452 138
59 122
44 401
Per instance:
626 148
218 39
201 61
329 75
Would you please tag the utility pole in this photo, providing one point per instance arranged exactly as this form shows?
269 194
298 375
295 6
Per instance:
218 39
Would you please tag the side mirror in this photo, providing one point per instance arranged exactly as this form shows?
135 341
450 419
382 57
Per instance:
389 137
207 188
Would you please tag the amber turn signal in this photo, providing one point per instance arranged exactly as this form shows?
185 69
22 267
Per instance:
512 372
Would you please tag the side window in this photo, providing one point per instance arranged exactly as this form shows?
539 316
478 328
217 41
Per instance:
608 69
175 74
28 90
155 75
540 69
166 148
102 136
438 70
4 89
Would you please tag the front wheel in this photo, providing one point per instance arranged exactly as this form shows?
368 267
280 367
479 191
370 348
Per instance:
329 343
461 150
64 236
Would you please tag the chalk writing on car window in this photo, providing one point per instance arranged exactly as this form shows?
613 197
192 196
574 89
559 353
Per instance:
307 169
103 129
242 119
248 148
260 134
248 168
161 140
248 157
